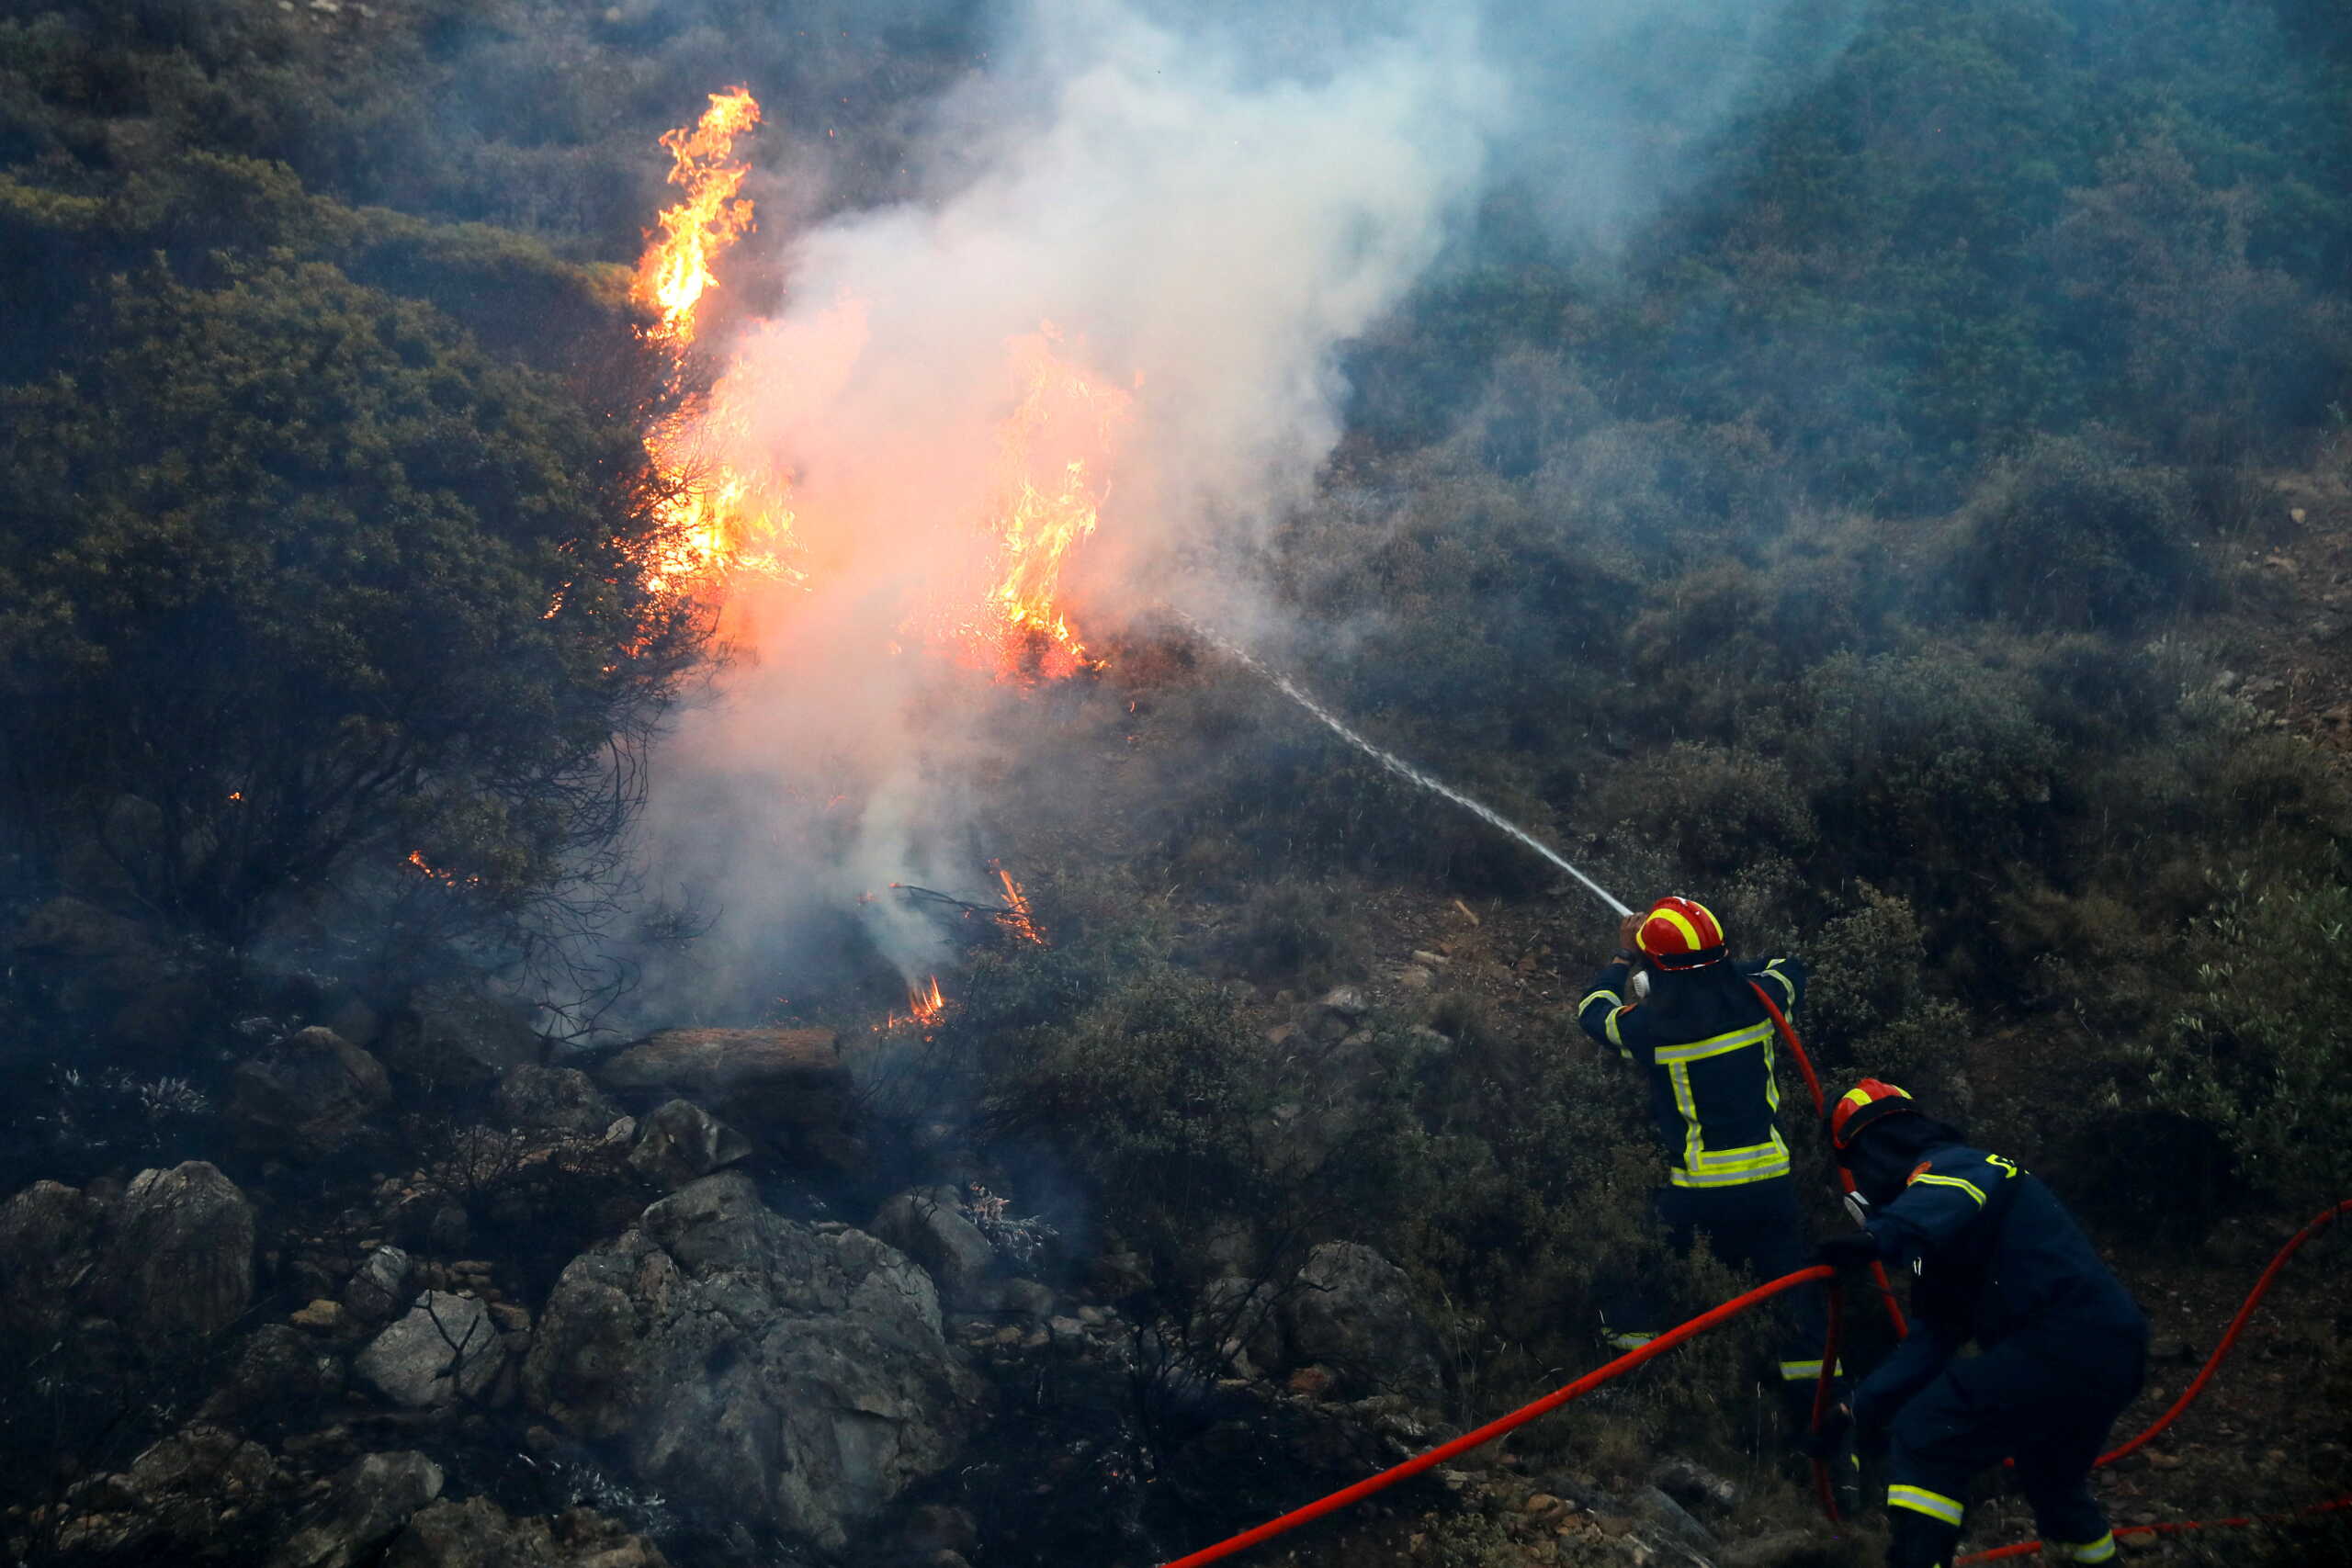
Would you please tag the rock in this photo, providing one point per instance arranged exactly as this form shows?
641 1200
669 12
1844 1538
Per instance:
323 1317
180 1261
936 1526
450 1034
365 1505
555 1100
1427 960
1346 1001
49 1237
682 1142
1313 1383
1781 1549
378 1285
1238 1311
1031 1299
929 1226
175 1491
1353 1311
763 1079
796 1376
1693 1485
1663 1511
478 1533
279 1373
446 1347
1413 977
307 1095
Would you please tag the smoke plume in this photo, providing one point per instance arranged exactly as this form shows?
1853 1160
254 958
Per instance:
1146 234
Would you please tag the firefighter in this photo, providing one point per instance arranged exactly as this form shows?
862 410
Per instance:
1997 1260
1706 1041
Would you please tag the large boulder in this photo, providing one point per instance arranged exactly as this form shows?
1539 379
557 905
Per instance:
365 1505
1352 1309
175 1500
451 1034
775 1083
280 1375
478 1533
180 1261
447 1346
793 1373
681 1143
929 1225
306 1095
379 1286
555 1100
48 1236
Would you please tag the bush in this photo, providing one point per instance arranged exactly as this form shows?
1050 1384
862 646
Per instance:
2068 537
2258 1050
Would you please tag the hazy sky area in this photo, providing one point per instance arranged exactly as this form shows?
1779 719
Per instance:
1190 210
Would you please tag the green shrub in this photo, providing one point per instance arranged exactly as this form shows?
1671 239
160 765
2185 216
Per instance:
2259 1052
2068 537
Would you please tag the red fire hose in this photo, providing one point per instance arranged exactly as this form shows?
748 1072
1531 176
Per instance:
1726 1313
1516 1419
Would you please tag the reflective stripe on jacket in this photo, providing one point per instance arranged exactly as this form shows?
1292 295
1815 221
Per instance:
1708 1053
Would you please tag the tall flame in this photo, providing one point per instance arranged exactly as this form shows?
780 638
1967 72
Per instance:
715 519
675 270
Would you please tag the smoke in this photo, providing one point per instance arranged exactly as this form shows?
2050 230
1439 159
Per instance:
1145 234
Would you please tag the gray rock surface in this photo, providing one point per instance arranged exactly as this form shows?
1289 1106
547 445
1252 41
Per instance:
757 1078
180 1261
379 1286
793 1374
928 1225
445 1346
555 1100
478 1533
453 1035
306 1095
1352 1309
369 1500
279 1371
680 1142
48 1236
173 1492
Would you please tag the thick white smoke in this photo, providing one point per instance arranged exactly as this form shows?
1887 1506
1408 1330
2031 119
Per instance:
1206 205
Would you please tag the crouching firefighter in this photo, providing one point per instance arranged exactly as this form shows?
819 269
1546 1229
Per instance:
1705 1040
1997 1260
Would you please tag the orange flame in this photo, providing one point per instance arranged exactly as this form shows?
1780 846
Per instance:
925 1004
675 270
715 520
1015 916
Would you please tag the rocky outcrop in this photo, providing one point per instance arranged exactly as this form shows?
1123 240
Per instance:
446 1347
379 1286
796 1374
48 1239
478 1533
307 1095
680 1142
449 1035
769 1081
555 1100
180 1261
367 1503
928 1225
182 1492
1352 1309
280 1375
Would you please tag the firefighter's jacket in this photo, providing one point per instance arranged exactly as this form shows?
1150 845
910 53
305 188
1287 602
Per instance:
1995 1257
1708 1053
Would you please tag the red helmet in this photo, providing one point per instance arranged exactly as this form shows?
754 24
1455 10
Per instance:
1867 1101
1680 933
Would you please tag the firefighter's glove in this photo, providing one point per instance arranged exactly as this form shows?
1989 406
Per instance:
1832 1441
1850 1249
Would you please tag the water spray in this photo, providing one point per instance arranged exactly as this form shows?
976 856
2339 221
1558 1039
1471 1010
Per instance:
1389 760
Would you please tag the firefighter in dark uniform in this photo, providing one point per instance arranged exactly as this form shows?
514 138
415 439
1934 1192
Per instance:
1997 1260
1706 1042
